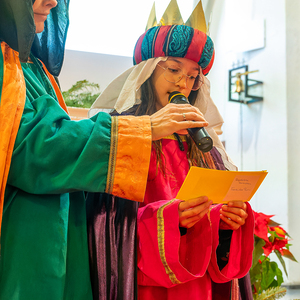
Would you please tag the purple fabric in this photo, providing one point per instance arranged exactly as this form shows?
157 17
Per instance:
245 288
217 159
111 223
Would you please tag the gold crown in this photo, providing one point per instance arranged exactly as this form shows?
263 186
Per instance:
172 16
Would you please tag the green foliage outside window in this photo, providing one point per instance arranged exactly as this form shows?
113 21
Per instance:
82 94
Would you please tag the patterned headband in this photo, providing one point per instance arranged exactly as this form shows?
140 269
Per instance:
176 41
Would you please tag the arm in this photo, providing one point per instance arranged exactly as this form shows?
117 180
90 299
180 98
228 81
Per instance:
53 154
241 248
165 258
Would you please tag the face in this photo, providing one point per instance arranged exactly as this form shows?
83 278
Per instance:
41 9
164 88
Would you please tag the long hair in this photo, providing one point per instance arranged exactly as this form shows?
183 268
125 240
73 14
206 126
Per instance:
148 107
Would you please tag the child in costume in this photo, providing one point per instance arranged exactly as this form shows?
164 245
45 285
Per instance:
186 250
47 160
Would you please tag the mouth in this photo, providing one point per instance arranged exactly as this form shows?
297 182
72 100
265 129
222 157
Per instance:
41 15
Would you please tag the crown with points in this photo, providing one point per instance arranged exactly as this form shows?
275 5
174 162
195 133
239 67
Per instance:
172 16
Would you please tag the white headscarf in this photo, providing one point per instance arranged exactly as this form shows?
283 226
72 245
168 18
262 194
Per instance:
124 92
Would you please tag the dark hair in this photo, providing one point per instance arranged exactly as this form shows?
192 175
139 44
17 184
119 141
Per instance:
148 107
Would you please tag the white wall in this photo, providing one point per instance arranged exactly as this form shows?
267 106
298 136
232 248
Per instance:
94 67
293 125
261 136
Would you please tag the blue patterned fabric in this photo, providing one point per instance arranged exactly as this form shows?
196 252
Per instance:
149 42
207 53
178 41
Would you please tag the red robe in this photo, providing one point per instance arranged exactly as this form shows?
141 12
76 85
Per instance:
171 266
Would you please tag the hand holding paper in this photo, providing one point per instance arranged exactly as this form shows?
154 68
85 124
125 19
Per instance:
233 215
190 212
220 186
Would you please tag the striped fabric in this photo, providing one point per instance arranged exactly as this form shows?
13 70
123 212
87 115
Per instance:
176 41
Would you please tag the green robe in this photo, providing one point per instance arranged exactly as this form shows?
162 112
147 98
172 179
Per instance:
44 238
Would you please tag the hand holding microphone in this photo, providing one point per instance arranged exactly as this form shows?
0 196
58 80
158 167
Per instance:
199 135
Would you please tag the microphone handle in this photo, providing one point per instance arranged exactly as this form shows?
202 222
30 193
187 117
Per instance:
199 135
201 138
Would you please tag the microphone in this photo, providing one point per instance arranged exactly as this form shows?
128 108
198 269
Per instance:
199 135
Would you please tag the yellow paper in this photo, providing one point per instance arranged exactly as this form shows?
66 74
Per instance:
220 186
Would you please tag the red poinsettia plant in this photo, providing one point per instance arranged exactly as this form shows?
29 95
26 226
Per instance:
270 237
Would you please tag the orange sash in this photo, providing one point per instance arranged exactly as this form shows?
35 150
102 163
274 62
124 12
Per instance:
58 93
11 109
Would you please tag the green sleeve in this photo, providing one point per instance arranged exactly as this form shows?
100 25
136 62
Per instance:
53 154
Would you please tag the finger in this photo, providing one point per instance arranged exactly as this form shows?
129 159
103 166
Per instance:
233 217
184 112
230 224
189 124
190 221
187 223
182 108
194 202
236 211
224 225
190 116
190 224
195 211
239 204
182 132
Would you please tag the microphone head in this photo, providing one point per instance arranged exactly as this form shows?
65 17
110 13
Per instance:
177 98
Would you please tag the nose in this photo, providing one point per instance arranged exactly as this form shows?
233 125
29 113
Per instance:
182 83
52 3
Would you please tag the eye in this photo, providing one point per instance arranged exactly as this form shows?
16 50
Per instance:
174 70
194 77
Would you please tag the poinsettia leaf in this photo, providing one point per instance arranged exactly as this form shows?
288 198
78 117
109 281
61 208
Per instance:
288 235
278 254
255 273
268 274
258 250
272 223
279 276
287 253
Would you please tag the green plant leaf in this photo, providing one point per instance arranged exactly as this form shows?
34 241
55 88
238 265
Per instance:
281 261
268 274
258 250
255 273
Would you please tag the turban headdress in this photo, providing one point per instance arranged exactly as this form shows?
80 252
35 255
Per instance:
177 41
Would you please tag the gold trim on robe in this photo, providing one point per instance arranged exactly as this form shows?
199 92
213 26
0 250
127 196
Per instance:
112 155
130 150
161 242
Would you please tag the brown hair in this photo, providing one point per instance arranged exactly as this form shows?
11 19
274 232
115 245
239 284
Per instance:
148 107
